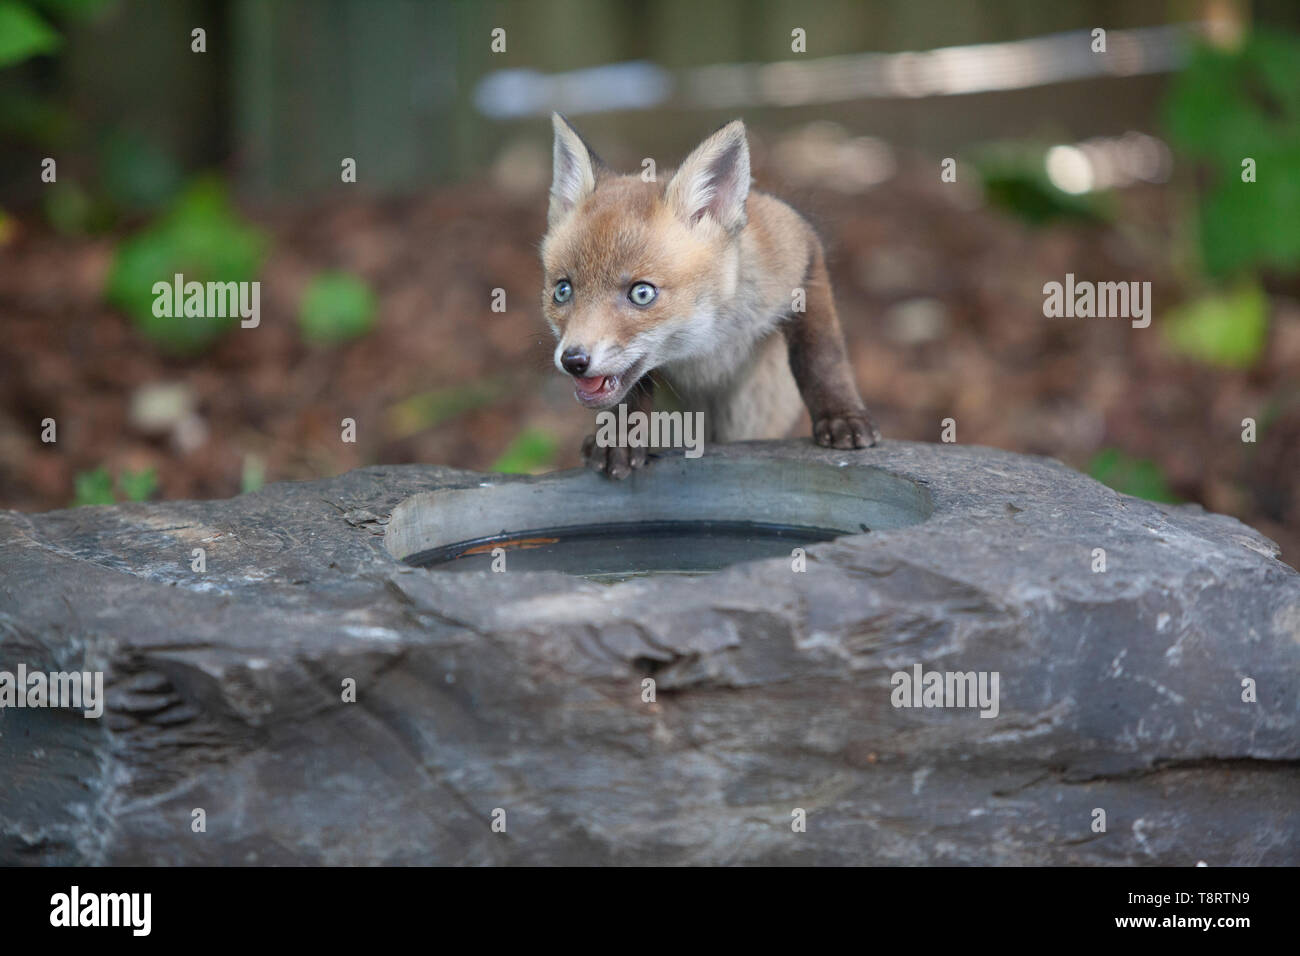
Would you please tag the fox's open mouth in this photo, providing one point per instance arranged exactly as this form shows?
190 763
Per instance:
601 391
595 388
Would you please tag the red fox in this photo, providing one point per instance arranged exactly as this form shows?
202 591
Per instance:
696 285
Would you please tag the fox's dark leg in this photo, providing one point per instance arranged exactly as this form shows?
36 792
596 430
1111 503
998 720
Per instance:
615 461
821 366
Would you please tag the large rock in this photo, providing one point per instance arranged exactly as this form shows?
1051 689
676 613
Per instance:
1120 690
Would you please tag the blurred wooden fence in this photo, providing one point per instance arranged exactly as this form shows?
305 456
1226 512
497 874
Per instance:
290 87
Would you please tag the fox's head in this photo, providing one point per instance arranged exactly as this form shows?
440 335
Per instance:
635 272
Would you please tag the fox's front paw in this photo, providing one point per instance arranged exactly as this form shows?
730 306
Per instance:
853 429
613 462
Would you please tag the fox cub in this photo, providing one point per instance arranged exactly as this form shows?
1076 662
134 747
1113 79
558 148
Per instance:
694 285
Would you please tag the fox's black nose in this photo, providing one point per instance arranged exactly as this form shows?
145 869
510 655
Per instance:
575 361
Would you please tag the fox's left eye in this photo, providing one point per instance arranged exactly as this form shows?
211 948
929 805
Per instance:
642 293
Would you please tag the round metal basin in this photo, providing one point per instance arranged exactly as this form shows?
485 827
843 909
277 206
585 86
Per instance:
677 517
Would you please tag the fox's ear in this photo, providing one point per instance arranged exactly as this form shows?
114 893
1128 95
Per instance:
714 180
573 172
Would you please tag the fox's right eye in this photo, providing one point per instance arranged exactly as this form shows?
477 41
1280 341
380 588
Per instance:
563 291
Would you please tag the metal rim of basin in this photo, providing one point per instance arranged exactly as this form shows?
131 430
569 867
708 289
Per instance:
771 495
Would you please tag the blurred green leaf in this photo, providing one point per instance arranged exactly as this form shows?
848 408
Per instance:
1227 106
1225 101
336 307
531 451
1138 477
1014 176
1248 225
201 238
138 485
1036 201
253 474
1229 329
93 488
23 34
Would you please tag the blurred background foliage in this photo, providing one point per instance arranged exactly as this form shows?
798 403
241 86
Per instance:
96 487
223 165
199 237
1225 107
